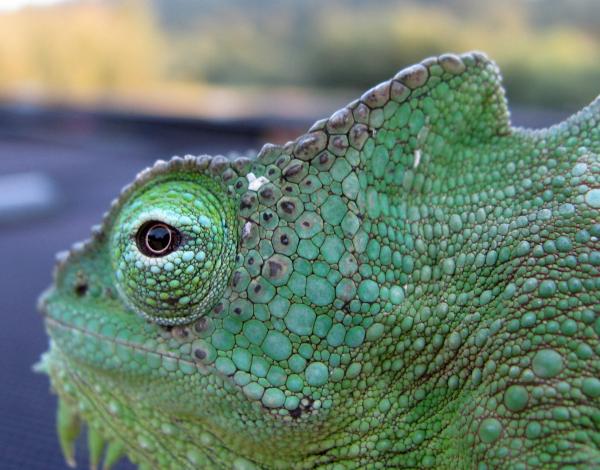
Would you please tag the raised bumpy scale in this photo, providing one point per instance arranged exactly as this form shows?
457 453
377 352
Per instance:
413 283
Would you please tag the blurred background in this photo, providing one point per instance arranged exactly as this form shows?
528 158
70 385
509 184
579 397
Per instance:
225 58
91 91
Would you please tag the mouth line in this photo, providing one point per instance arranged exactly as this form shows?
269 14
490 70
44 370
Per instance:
136 347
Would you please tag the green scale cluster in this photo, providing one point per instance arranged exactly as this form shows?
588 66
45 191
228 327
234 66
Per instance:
412 283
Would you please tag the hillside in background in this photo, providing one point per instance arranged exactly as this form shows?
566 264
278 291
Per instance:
548 50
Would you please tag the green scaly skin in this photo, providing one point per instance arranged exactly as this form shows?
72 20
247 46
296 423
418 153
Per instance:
413 283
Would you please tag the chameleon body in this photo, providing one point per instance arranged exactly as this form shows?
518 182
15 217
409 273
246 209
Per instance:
413 283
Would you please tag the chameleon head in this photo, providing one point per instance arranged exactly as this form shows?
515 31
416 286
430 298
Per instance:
251 309
397 287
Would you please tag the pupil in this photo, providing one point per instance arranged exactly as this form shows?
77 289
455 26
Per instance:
158 238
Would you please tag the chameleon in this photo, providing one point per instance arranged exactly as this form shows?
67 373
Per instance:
413 283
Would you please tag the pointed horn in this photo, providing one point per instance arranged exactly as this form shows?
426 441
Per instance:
114 452
68 425
95 446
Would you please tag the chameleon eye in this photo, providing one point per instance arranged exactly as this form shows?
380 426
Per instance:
173 248
155 239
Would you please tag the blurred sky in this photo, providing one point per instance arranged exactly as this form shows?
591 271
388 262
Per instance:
246 57
11 5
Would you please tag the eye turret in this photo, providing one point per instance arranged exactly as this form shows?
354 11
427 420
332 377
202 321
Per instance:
173 247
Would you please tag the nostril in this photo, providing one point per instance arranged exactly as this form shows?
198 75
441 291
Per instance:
81 289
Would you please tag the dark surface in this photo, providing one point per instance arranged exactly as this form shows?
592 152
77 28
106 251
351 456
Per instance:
90 157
